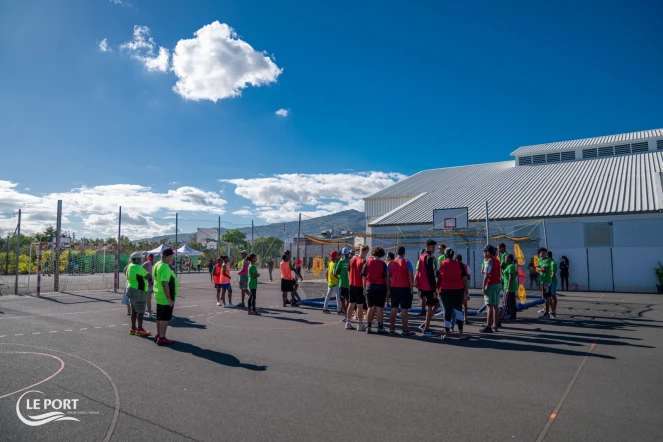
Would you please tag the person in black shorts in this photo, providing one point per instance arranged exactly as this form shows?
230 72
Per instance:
376 286
357 297
401 279
427 285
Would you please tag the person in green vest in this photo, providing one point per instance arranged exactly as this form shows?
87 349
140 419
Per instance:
553 286
510 278
341 270
253 284
166 289
138 292
545 273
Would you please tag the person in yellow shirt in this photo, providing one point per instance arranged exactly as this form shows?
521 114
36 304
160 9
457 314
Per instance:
332 285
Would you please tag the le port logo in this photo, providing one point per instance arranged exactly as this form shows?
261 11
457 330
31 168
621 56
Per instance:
34 409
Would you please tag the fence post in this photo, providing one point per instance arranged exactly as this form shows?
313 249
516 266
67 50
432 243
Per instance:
18 249
116 270
177 258
56 249
545 234
39 269
487 225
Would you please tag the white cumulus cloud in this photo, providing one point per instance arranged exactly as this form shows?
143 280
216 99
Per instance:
103 45
94 210
283 112
217 64
143 48
282 197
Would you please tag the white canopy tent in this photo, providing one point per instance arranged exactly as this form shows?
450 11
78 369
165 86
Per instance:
157 250
186 250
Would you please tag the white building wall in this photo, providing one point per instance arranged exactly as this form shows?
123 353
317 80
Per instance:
636 249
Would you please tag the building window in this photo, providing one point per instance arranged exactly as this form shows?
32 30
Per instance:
523 161
598 235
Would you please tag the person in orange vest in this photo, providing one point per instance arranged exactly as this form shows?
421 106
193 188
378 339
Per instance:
287 281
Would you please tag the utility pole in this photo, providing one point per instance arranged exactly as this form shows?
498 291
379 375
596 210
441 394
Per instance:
218 240
487 225
176 257
284 243
58 228
251 236
18 250
299 230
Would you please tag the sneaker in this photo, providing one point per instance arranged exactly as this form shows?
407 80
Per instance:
339 312
231 305
344 320
257 313
554 314
250 313
545 316
542 311
485 329
326 312
362 327
294 304
133 331
392 331
286 302
374 323
421 327
431 334
156 339
408 333
382 331
164 341
142 332
348 326
220 304
368 330
494 329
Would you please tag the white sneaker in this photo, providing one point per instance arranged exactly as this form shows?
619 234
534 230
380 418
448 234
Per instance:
344 320
230 305
362 327
421 327
219 304
349 326
542 310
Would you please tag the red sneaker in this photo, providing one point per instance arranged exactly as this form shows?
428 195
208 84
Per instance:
142 332
164 341
156 339
133 331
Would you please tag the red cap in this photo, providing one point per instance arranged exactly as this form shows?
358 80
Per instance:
333 254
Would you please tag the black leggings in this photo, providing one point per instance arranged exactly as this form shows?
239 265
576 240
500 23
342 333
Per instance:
565 281
252 299
453 300
510 305
534 280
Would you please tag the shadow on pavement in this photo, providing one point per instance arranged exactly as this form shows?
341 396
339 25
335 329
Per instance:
86 299
215 356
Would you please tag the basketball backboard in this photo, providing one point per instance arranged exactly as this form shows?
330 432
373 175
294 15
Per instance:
450 219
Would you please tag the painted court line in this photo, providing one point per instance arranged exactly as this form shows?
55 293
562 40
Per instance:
36 333
53 331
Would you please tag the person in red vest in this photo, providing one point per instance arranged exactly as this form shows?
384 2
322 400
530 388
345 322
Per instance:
453 284
299 269
492 284
357 297
427 286
376 287
401 281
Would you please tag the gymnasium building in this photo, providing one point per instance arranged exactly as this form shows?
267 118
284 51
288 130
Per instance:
598 201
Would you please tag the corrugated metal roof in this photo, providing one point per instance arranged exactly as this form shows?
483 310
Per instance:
624 184
586 142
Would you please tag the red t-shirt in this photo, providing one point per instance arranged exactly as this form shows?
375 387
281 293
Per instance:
356 264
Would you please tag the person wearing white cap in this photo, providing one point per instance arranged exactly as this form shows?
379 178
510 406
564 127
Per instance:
137 292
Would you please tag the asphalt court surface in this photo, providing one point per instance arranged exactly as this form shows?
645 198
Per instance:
294 374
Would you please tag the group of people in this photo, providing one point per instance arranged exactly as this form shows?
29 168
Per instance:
145 279
360 283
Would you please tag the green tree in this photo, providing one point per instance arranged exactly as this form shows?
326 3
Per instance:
267 246
235 237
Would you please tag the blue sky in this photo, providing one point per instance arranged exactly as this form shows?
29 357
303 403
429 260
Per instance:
387 87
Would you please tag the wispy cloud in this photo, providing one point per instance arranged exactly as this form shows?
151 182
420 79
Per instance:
283 112
143 48
103 46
